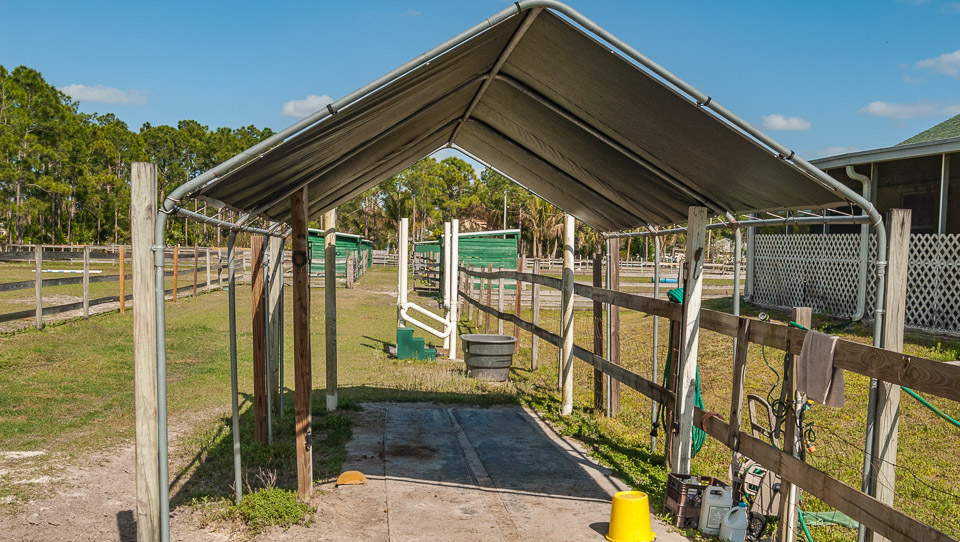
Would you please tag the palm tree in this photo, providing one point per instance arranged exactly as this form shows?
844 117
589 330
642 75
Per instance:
543 221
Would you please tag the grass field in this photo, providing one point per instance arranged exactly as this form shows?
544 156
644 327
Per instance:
68 391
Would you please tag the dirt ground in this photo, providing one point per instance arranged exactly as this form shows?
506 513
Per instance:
434 472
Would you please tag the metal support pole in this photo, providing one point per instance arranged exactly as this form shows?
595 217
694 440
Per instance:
330 304
566 366
656 336
234 385
454 282
447 286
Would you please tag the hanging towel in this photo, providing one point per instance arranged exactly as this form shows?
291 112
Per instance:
816 375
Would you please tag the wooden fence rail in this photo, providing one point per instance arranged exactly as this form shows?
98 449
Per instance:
86 256
920 374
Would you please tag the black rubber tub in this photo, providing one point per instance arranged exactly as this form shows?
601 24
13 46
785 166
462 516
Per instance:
488 356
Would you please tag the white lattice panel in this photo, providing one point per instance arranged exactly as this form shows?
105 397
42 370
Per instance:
933 283
808 270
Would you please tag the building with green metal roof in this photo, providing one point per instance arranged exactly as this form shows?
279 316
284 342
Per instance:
921 173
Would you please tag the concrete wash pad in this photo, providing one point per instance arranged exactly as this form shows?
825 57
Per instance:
458 473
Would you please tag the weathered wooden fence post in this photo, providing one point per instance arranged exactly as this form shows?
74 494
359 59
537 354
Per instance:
486 315
517 290
86 282
123 280
885 435
274 308
500 285
598 402
613 260
196 268
303 378
787 527
259 341
350 267
566 365
38 284
143 215
535 317
208 268
220 266
330 304
690 329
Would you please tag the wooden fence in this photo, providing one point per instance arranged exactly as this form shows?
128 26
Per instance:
922 375
210 260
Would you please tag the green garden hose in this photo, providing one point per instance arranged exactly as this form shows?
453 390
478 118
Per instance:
699 437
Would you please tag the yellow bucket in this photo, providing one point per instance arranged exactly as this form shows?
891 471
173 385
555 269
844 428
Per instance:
630 518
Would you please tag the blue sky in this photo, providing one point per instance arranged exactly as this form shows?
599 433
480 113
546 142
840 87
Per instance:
821 77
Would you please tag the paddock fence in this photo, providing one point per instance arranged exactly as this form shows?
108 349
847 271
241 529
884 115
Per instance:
191 270
920 374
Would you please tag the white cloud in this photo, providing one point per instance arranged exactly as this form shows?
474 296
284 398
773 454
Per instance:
907 111
947 64
298 109
833 151
951 110
952 7
789 124
104 95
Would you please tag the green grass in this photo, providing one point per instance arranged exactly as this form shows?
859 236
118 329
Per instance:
68 390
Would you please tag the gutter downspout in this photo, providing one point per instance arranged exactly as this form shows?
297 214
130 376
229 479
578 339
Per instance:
864 246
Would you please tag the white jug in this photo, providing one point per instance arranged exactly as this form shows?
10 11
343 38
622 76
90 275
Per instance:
714 504
734 528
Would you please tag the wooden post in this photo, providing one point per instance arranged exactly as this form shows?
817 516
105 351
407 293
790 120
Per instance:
500 286
176 270
303 378
690 329
566 358
196 268
330 304
208 267
787 526
350 267
614 263
86 282
517 290
535 318
486 315
143 215
123 280
883 471
219 266
598 403
38 284
470 282
259 341
736 398
274 306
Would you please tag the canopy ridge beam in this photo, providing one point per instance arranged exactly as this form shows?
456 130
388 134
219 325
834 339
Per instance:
501 60
610 142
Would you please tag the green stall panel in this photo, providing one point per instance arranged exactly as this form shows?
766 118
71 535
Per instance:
347 244
483 249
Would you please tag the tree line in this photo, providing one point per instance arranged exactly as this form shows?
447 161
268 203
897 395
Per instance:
65 179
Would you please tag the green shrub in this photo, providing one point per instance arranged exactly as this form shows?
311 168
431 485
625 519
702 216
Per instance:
269 507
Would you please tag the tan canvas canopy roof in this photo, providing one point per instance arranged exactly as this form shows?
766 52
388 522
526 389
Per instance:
552 107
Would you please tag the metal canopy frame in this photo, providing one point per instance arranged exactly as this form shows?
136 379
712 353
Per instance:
529 9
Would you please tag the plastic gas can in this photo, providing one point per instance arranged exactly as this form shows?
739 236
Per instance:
714 505
734 528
